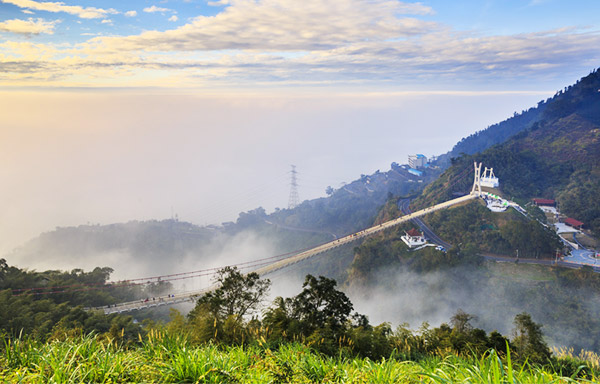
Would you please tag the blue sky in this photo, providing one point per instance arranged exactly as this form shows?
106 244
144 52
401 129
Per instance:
227 44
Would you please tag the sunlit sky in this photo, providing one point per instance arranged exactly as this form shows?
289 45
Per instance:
120 110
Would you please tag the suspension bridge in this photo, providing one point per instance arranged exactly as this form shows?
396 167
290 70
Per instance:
263 266
271 265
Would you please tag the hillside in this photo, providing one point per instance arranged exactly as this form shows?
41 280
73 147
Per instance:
143 248
557 157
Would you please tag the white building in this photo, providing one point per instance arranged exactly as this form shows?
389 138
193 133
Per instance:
414 238
416 161
488 179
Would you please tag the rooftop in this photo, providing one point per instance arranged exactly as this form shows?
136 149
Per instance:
573 222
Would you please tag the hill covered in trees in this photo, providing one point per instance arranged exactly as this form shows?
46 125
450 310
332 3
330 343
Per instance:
556 157
169 246
573 98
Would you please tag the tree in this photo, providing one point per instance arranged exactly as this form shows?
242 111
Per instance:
238 295
529 339
320 304
460 321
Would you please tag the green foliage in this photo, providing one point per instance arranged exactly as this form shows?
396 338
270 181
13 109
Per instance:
553 152
166 358
29 308
237 295
529 339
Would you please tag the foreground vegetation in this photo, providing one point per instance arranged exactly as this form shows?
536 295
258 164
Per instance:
162 357
311 337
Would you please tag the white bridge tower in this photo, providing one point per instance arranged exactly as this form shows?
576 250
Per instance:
488 179
476 190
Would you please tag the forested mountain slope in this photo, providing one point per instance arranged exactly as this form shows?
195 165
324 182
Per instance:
558 157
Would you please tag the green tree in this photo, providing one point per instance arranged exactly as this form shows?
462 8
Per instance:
320 304
237 295
529 339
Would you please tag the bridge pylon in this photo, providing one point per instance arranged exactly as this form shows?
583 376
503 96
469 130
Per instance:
476 190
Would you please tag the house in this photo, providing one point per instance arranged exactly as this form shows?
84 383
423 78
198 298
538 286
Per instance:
414 238
488 179
544 202
573 223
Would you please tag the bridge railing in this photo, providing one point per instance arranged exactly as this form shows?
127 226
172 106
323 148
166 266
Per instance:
182 297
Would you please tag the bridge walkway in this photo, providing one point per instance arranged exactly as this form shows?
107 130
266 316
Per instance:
189 296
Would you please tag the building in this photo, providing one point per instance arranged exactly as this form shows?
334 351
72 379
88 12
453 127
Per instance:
573 223
415 172
544 202
416 161
414 238
488 179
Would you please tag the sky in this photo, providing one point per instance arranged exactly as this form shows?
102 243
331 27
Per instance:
132 110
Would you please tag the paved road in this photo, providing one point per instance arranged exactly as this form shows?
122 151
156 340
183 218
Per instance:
561 263
404 205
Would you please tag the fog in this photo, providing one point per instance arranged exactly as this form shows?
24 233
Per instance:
71 158
401 296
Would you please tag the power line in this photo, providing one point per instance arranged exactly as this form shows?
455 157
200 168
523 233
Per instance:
294 199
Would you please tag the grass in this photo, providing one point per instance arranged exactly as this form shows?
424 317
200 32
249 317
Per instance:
166 359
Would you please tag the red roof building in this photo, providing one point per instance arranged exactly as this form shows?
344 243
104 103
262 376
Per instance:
545 202
414 233
573 223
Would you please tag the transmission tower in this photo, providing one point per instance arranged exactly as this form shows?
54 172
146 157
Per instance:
294 199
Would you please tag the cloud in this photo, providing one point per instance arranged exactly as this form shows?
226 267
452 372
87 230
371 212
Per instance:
173 18
29 26
84 13
27 11
154 9
107 21
284 25
131 13
339 42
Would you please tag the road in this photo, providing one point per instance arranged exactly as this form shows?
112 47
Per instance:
404 205
561 263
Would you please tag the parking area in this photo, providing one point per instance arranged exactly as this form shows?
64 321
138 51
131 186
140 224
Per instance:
582 256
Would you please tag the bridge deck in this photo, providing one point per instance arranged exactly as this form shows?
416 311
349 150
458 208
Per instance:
188 296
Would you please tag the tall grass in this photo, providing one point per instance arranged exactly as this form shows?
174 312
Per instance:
161 357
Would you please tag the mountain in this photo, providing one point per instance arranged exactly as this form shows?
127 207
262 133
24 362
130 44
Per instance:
556 157
157 247
551 151
573 98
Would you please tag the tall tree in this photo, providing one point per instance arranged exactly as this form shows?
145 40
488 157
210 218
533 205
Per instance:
238 295
529 339
320 304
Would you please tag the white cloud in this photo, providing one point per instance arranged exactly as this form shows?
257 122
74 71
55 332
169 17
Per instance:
84 13
131 13
29 26
173 18
27 11
285 25
107 21
285 42
154 9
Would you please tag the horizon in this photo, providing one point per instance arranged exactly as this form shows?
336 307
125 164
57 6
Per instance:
134 112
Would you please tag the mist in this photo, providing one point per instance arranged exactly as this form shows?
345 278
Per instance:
73 158
401 296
